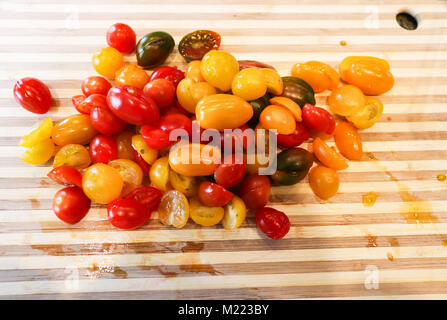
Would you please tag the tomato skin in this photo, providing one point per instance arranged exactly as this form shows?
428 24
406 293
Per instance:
148 196
195 45
327 155
162 91
71 204
318 119
141 162
319 75
107 61
105 121
169 73
346 100
95 84
295 139
132 105
230 172
33 95
158 137
121 37
214 195
255 191
66 175
76 100
94 100
131 75
348 141
127 214
274 223
278 118
76 129
103 149
323 181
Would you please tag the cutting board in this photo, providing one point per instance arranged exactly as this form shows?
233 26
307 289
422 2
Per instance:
335 249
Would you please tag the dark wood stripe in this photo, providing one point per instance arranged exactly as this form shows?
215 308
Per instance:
222 245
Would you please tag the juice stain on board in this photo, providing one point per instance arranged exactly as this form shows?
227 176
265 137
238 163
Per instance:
413 209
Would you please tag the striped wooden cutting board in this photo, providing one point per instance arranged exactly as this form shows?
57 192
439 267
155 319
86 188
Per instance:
335 249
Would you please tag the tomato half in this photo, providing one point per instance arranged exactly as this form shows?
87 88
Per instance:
196 44
274 223
214 195
103 149
77 99
33 95
93 100
348 141
72 155
149 196
132 105
66 175
71 204
328 156
127 214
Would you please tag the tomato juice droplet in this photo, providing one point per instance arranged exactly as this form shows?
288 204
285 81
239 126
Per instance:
369 199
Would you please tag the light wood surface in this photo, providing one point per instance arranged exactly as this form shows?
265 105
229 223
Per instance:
334 247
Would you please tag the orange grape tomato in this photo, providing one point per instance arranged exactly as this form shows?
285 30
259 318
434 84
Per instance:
124 144
319 75
346 100
132 75
102 183
189 93
348 141
107 61
193 71
289 104
73 129
223 111
279 118
174 209
194 159
372 75
328 156
72 155
203 215
131 173
324 182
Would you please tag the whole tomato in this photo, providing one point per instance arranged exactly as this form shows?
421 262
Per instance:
103 149
158 137
161 90
127 214
318 119
93 100
169 73
300 135
174 107
132 105
214 195
105 121
33 95
255 191
71 204
66 175
148 196
121 37
73 129
274 223
95 84
230 172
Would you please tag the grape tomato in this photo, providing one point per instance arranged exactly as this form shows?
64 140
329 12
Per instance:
195 45
127 214
172 74
33 95
95 85
274 223
71 204
148 196
213 195
103 149
121 37
318 119
66 175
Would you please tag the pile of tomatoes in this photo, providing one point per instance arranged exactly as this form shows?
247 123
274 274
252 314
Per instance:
116 150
